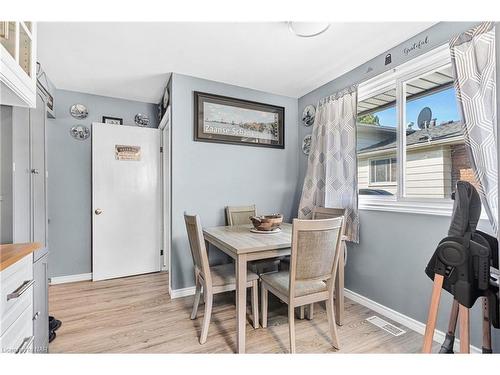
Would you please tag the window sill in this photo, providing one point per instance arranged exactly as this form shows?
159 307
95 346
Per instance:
441 208
379 184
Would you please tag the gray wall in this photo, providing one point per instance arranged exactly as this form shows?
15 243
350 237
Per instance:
69 182
208 176
6 198
388 264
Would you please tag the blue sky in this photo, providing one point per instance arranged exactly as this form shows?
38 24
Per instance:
442 104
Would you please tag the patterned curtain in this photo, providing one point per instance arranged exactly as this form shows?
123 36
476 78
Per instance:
473 59
331 179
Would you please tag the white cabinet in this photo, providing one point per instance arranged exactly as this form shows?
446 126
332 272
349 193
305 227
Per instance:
16 307
18 63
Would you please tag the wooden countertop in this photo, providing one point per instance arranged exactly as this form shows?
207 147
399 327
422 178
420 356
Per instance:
11 253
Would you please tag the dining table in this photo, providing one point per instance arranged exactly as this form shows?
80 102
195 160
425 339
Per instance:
244 246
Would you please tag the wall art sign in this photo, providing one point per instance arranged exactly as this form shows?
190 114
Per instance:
416 45
126 152
112 120
222 119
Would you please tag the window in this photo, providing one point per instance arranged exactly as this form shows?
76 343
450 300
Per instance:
383 171
376 147
410 140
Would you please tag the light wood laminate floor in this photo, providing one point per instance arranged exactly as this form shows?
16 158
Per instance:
136 315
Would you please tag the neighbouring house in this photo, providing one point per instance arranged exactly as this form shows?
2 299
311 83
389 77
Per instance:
436 158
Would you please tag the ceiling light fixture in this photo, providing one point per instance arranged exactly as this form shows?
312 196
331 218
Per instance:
307 29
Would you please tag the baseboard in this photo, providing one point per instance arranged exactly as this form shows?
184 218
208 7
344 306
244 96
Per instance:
396 316
70 278
184 292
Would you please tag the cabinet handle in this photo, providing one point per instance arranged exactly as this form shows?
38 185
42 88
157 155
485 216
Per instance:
19 291
37 314
23 348
35 171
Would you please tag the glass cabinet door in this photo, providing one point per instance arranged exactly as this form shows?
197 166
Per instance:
17 39
8 36
25 48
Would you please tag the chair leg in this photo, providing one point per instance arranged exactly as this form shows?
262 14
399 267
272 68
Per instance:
208 313
310 312
433 311
291 327
255 303
302 310
463 313
263 305
196 302
486 327
332 324
447 347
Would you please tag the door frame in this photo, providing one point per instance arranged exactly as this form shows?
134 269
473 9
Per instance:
166 189
45 172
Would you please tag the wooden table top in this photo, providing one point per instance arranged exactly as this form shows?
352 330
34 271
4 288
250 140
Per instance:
11 253
240 240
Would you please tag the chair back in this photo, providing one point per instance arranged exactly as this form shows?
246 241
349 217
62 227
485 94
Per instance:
315 251
327 213
197 245
239 215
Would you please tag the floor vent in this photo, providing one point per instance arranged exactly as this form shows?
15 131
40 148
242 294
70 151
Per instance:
386 326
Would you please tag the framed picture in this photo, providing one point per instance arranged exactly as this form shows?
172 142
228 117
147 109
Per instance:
112 120
222 119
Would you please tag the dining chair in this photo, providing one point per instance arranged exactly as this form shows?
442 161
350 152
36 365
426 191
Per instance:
240 215
214 279
317 214
316 246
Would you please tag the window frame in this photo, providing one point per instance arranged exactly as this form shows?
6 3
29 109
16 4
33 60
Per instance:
382 183
398 77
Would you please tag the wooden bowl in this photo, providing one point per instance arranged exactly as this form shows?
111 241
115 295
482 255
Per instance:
267 222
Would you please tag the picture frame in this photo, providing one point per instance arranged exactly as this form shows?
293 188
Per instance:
112 120
222 119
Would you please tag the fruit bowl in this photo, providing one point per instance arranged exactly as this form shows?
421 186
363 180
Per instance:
267 223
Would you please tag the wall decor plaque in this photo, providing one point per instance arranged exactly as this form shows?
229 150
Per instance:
308 115
79 111
306 144
126 152
141 120
80 132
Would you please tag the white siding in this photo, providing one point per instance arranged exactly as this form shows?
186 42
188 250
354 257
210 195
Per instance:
428 173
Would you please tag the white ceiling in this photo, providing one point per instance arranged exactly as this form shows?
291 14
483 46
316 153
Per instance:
132 60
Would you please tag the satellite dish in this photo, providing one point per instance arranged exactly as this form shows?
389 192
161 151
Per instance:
424 117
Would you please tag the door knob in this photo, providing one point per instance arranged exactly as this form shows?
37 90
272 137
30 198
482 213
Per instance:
98 211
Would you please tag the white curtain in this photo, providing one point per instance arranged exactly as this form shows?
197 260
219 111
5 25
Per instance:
331 179
473 59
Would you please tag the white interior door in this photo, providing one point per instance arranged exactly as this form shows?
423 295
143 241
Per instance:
126 201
